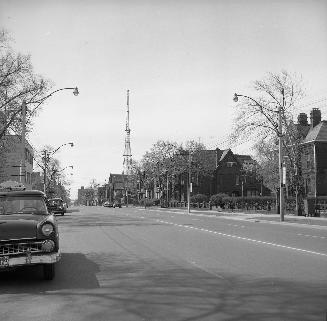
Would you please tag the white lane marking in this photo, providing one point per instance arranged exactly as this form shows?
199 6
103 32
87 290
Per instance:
314 236
182 212
246 239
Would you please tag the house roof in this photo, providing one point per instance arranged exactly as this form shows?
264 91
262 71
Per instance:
317 134
223 154
303 130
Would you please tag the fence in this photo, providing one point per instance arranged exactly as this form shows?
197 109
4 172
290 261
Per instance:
317 206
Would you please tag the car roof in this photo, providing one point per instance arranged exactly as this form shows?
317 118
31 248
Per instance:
22 193
55 199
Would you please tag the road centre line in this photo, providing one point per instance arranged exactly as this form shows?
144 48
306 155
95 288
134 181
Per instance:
245 238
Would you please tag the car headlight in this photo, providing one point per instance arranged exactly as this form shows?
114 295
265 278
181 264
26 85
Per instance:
48 246
47 229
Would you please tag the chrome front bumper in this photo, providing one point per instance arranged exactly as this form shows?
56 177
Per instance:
33 259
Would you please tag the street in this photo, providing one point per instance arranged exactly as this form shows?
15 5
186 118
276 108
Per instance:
163 264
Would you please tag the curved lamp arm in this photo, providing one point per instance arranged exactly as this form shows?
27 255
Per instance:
71 145
41 101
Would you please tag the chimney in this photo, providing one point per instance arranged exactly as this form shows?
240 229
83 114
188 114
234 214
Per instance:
302 119
315 117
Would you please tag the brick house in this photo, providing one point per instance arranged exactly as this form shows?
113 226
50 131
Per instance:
11 155
119 185
11 152
313 153
234 175
86 196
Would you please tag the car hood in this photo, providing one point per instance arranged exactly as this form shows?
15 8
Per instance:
19 226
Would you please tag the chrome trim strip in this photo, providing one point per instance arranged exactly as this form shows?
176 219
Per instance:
20 248
21 239
37 259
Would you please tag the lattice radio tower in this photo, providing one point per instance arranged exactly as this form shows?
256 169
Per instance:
127 164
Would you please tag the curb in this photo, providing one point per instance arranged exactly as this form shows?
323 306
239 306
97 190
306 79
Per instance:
312 222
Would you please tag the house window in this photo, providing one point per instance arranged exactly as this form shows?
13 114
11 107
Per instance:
237 180
308 161
230 164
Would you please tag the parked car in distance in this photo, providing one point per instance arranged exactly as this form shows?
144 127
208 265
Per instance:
56 205
117 204
107 204
28 232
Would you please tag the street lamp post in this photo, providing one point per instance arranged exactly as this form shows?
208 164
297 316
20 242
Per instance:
189 185
280 143
23 165
24 109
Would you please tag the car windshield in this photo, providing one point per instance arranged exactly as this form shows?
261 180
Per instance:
22 205
53 202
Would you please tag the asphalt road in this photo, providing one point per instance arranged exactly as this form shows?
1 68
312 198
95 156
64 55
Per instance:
136 264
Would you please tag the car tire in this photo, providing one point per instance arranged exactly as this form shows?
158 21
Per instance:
48 271
62 213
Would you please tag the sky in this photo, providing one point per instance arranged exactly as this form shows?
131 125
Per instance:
181 60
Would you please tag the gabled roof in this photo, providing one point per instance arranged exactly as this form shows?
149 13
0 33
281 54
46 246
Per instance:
223 154
212 155
317 134
239 158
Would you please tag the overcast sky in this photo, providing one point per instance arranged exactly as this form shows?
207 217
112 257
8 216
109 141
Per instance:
181 60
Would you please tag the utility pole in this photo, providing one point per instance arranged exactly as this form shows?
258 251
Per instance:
281 191
167 188
189 185
45 171
23 160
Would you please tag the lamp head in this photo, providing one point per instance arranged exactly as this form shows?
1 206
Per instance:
75 92
235 98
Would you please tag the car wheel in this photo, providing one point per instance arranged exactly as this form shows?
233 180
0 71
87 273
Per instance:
48 271
62 213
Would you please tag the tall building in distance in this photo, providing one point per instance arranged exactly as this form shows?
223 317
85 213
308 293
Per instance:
127 164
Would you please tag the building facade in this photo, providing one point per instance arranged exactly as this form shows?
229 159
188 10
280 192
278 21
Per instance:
87 196
11 155
120 186
314 153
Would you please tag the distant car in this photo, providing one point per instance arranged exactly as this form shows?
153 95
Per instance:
117 204
56 205
107 204
28 232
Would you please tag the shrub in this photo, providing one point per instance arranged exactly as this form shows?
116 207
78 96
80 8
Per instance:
149 201
218 199
199 198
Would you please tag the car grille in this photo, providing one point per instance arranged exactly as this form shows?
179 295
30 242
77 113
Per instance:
20 248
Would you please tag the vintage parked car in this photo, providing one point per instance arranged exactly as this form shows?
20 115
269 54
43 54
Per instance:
107 204
56 205
28 232
117 204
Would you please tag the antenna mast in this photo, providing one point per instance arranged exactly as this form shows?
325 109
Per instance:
127 164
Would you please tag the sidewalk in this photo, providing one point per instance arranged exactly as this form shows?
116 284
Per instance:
257 217
320 221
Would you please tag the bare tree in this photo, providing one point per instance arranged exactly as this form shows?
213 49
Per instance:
18 83
257 121
257 117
